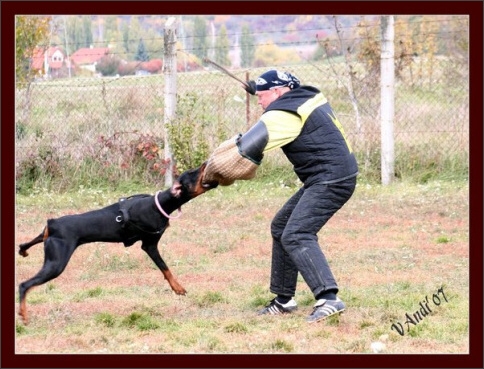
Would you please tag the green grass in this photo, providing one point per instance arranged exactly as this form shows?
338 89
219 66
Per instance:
390 247
105 319
59 143
139 321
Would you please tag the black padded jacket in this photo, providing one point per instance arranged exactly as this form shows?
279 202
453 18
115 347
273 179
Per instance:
320 152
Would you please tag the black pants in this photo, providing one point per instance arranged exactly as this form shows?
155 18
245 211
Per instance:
294 231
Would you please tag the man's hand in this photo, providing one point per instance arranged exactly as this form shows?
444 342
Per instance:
250 87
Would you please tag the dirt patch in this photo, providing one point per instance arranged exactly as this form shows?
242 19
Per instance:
387 251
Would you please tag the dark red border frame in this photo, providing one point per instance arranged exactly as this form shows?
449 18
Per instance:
8 357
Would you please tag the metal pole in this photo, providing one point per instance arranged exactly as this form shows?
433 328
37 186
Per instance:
247 103
169 68
67 49
387 89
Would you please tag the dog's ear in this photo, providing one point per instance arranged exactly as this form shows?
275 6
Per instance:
176 189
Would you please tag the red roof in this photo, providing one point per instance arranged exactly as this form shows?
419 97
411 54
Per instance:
37 62
88 55
39 54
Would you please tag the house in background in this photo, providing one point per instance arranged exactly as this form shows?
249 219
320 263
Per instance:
50 62
87 57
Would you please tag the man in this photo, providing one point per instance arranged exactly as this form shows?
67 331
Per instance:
299 120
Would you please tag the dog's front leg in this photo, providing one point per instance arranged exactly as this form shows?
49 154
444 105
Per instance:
154 254
175 286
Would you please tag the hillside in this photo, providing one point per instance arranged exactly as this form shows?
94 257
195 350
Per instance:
281 29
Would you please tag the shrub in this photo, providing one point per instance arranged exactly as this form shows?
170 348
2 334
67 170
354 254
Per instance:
108 65
152 66
42 165
20 130
127 68
188 136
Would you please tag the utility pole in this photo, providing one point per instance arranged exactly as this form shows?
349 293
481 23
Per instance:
169 70
67 49
387 101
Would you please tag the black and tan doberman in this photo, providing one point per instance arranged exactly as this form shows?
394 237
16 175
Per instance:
136 218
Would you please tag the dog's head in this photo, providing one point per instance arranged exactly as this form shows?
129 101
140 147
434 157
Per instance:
190 183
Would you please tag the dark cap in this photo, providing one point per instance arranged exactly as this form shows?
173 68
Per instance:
274 79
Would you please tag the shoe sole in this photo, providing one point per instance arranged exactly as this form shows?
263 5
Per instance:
339 312
269 312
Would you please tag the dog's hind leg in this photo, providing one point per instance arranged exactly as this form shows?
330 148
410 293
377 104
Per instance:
154 254
25 246
56 256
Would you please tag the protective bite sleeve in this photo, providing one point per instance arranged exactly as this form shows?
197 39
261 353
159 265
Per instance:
226 164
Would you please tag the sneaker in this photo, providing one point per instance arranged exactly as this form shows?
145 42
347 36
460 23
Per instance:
324 308
276 308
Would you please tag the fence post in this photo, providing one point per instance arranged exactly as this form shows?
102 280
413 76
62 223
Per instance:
387 90
247 103
169 70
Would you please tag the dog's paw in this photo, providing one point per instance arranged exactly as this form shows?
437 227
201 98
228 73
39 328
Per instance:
23 253
23 315
178 289
175 286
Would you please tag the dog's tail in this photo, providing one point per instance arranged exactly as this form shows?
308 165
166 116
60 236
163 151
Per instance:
40 238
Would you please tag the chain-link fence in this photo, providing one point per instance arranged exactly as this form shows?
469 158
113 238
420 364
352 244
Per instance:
110 121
